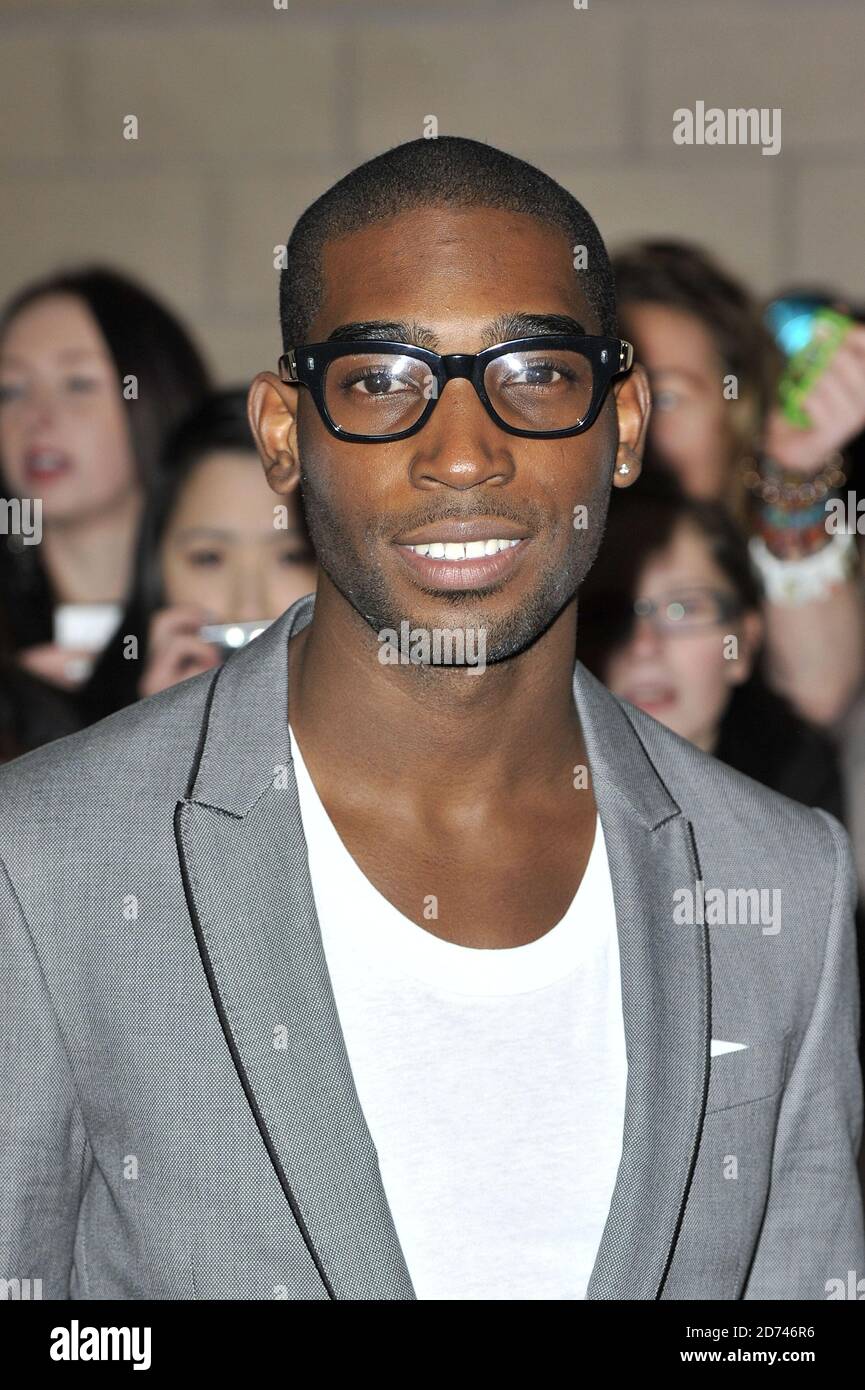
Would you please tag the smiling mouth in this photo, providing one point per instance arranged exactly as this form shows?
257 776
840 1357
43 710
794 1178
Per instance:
474 564
459 550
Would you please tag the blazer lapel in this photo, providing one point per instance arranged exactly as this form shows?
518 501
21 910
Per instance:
665 1000
243 858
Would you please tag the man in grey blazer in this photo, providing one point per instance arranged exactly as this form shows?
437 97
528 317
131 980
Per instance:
199 1095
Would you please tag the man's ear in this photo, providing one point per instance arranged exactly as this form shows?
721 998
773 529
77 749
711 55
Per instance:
272 411
633 407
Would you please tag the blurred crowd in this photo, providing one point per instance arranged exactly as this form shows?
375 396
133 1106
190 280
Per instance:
156 519
722 601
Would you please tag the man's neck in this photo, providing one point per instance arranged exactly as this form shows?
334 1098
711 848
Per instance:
450 741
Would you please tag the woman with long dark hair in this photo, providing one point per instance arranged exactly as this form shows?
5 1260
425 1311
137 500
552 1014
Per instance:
94 374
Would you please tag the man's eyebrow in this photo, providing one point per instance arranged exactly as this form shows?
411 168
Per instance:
500 330
508 326
386 330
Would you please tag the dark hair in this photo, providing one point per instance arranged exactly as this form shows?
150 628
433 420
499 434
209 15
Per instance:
450 171
219 422
33 712
144 338
760 734
641 521
686 277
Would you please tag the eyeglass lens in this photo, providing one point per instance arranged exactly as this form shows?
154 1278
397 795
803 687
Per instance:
374 393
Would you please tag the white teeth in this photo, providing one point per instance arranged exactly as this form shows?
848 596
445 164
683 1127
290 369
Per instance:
455 550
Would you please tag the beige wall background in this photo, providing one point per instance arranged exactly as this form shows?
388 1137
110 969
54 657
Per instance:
247 112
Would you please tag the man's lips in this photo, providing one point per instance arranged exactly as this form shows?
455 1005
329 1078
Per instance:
471 572
480 528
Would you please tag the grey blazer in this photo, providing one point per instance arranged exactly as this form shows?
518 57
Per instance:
178 1118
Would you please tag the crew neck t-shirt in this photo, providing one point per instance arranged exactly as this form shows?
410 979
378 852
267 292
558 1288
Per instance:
492 1081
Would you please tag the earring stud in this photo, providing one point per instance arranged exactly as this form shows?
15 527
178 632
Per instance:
624 468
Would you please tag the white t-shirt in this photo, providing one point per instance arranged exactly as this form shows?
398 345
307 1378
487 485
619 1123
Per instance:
492 1081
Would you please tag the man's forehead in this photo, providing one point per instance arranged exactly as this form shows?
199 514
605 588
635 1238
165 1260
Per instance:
448 223
455 274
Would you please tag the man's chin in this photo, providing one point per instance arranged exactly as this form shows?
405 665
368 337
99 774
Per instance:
462 629
500 621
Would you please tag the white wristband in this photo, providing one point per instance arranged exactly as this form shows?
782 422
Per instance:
811 577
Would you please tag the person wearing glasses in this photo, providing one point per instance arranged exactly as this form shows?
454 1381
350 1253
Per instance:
718 427
342 977
671 620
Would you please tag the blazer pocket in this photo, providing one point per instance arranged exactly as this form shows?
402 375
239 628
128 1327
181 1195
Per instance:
754 1073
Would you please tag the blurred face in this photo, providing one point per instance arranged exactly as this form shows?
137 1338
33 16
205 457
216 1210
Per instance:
683 679
221 549
64 430
454 280
689 429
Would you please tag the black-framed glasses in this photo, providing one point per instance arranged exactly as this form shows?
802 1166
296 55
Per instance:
371 392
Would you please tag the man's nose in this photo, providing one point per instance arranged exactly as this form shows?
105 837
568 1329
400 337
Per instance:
460 446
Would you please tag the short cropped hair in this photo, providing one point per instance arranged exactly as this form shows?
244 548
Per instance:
451 171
